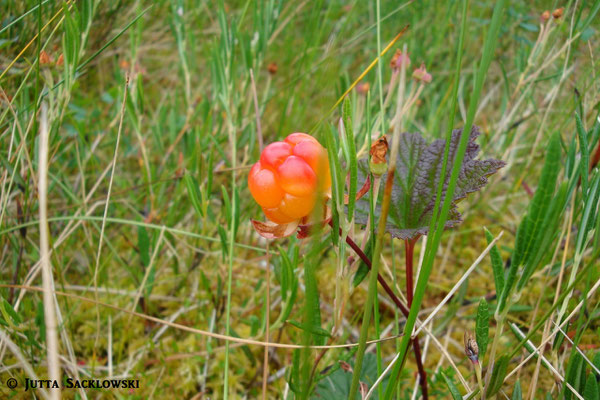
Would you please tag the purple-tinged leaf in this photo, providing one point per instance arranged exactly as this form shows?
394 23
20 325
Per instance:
418 172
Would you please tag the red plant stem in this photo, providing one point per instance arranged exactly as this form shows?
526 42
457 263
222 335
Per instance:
402 307
596 158
409 247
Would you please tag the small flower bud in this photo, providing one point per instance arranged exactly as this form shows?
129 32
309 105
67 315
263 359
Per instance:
363 88
471 347
558 12
378 163
60 61
545 16
272 68
400 59
345 366
45 58
421 74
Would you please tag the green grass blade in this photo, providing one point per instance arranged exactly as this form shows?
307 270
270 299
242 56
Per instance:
352 163
432 244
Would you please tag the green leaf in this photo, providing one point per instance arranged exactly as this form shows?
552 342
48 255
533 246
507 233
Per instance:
482 327
144 245
40 322
497 265
498 375
351 157
10 315
336 182
193 190
532 228
417 176
517 392
337 384
575 375
452 387
314 330
539 204
591 391
585 153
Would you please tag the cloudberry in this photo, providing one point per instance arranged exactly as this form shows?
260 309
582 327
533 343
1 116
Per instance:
290 178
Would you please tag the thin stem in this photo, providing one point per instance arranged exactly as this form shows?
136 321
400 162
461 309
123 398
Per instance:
52 360
479 380
267 331
398 303
409 247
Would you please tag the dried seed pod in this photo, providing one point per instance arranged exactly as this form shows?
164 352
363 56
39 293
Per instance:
45 58
363 88
400 59
545 16
558 12
378 163
471 347
421 74
272 68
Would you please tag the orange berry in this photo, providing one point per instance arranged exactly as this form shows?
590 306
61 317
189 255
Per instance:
296 177
289 177
275 154
263 186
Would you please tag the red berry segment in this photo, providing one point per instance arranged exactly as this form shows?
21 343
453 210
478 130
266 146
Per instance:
277 216
297 207
298 137
290 177
263 186
296 177
275 153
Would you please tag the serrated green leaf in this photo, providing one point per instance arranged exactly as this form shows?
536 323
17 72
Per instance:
547 235
531 229
540 203
498 375
482 327
452 387
417 175
497 265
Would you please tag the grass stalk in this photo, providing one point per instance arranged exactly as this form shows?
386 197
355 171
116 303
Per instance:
381 229
47 279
